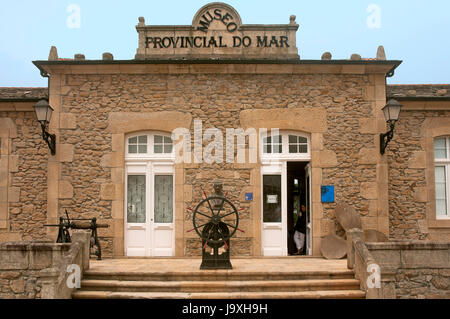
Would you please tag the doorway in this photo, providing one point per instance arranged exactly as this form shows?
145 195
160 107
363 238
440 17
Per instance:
285 188
149 212
298 208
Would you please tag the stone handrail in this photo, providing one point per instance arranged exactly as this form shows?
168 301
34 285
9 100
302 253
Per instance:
362 262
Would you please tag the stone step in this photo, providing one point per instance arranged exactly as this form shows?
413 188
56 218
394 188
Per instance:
327 294
219 286
216 275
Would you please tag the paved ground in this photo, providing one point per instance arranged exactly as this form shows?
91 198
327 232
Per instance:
162 265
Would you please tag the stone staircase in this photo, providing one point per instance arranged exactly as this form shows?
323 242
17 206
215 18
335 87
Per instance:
283 283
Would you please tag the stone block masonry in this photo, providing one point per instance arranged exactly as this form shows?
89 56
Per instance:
38 269
411 176
24 178
220 101
400 269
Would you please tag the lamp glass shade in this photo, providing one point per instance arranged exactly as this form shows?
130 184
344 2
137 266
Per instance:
43 111
392 110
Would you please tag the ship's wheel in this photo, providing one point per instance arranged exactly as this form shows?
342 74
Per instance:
216 220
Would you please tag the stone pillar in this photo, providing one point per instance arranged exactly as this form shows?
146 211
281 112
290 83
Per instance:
352 235
49 279
83 237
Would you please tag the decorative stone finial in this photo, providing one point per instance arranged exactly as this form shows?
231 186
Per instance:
107 56
141 21
292 19
326 56
79 57
53 56
355 57
381 54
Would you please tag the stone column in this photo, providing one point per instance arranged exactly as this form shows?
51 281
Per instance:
352 235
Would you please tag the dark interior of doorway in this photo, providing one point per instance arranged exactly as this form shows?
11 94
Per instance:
297 195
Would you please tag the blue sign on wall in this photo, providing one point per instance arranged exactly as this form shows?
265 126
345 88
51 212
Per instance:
248 196
327 193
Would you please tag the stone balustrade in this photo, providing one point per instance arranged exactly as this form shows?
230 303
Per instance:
38 269
409 269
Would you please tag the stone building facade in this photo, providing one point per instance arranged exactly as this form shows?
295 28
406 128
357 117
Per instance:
335 105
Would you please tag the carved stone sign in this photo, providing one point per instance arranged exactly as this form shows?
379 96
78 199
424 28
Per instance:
217 32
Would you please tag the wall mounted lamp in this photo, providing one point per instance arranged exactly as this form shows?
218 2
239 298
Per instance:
391 113
44 114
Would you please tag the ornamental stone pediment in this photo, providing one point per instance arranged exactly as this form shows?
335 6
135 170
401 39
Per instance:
217 32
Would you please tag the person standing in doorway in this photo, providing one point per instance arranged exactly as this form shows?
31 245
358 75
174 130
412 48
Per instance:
300 230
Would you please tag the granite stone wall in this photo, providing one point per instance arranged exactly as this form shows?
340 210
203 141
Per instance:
344 155
25 174
87 101
413 269
409 157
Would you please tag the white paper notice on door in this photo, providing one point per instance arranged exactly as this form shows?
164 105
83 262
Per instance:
272 199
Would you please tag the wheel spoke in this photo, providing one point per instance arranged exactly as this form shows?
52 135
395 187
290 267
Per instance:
235 227
221 206
227 215
204 215
209 204
202 225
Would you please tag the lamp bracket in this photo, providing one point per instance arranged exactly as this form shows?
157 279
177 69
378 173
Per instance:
50 139
387 137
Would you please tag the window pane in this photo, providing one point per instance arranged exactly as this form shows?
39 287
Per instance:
163 199
293 149
277 139
158 149
272 198
267 149
158 139
167 140
132 140
277 148
142 149
441 209
143 139
136 199
441 191
302 140
440 174
440 151
168 149
303 149
292 139
132 149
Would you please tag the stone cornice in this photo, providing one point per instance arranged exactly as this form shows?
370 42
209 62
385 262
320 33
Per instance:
222 66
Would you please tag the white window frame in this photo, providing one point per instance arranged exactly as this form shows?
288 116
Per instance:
285 155
444 163
150 155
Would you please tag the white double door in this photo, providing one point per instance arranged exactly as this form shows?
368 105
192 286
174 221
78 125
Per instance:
149 209
275 210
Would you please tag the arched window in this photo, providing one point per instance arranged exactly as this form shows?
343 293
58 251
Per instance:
149 145
286 145
442 176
